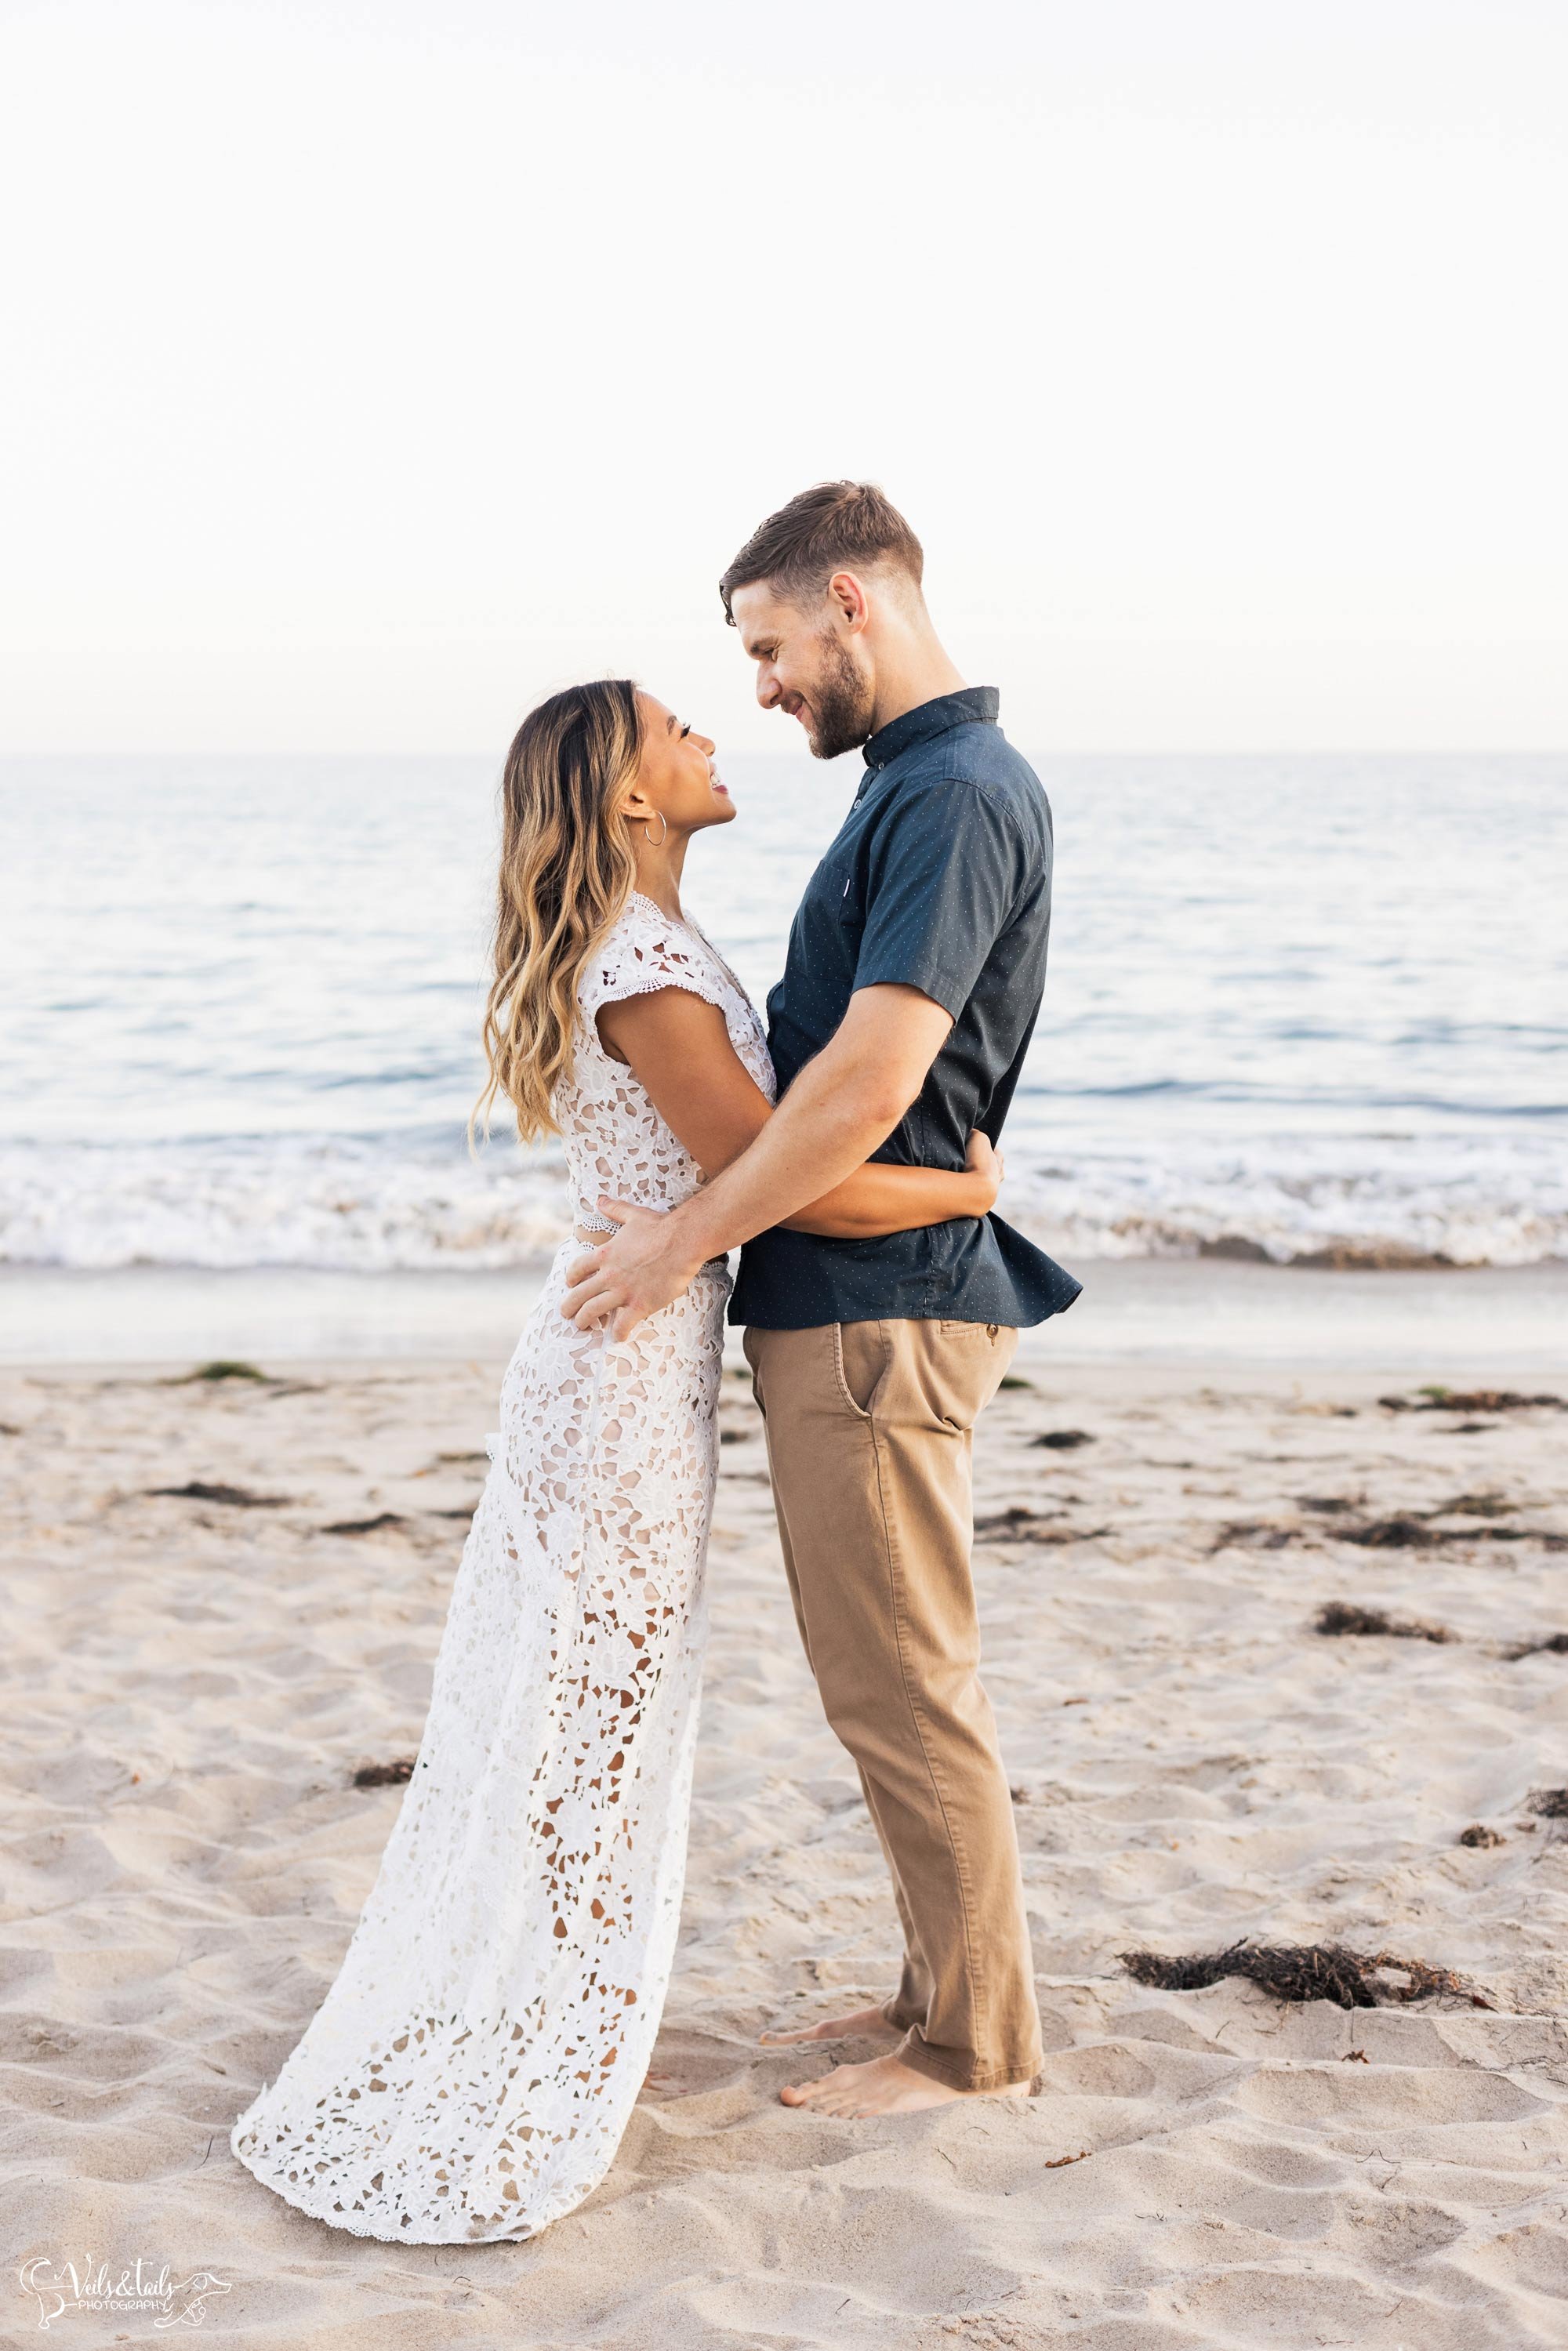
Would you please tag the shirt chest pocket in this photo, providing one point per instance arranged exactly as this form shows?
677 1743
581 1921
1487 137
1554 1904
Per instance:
848 886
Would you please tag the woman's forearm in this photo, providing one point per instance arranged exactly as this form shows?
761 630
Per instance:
879 1198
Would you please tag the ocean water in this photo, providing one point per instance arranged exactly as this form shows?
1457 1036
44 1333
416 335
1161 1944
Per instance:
1298 1009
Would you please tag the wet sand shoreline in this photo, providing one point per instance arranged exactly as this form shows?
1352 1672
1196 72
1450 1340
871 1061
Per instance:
1199 1312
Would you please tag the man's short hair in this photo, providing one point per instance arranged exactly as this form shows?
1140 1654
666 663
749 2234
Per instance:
834 526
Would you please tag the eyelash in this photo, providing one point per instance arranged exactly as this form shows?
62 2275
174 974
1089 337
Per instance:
685 731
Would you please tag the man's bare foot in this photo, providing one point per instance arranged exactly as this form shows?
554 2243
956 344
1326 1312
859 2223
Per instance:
883 2086
837 2028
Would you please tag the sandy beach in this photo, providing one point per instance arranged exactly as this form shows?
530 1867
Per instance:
198 1677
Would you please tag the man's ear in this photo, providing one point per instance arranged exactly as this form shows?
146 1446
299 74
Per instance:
846 591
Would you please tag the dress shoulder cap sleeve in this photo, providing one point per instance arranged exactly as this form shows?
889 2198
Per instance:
644 950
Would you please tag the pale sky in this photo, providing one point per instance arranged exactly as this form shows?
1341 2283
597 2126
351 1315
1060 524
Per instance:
375 369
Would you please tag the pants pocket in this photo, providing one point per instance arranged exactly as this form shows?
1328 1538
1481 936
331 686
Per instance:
861 1356
749 1351
963 1367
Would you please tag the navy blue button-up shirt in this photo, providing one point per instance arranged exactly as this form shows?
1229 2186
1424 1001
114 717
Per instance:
939 880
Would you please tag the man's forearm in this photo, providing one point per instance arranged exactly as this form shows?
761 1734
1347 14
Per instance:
843 1106
826 1126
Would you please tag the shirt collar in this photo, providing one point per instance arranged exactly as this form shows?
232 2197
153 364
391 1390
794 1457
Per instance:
927 719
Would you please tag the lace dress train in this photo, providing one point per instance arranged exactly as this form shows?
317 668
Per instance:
470 2072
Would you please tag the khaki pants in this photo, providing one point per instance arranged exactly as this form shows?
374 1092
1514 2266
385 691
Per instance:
869 1433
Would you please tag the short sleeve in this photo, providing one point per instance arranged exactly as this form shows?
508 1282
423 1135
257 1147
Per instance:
945 873
642 951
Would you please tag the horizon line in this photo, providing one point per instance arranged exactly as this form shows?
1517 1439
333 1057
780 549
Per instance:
797 752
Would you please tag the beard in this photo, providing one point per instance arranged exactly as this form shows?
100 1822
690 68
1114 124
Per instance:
843 699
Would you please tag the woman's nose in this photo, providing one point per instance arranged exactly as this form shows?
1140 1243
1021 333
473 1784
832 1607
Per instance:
706 743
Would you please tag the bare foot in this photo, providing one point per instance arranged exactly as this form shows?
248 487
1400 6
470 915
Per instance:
883 2086
837 2028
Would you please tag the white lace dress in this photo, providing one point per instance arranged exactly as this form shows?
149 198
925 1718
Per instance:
472 2068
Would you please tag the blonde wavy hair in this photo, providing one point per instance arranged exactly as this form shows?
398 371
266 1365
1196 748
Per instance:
567 867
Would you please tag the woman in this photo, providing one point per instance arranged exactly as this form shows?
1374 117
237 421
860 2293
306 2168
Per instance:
471 2069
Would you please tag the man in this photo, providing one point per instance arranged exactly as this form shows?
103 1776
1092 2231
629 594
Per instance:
914 978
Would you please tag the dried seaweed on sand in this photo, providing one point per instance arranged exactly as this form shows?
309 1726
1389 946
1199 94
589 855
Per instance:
1441 1399
1020 1525
1301 1971
238 1498
1341 1616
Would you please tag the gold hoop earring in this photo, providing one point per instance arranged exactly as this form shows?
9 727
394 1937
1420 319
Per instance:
663 836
